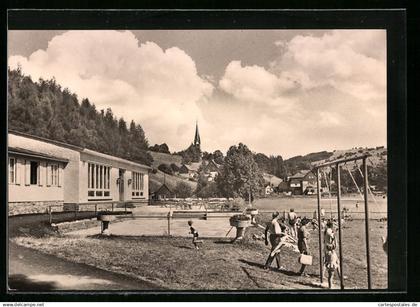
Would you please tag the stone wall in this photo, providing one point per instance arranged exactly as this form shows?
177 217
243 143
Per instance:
77 225
17 208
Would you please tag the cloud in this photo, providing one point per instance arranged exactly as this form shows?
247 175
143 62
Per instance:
352 61
320 92
255 85
155 87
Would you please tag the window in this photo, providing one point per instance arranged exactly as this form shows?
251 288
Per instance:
137 184
12 170
53 175
98 182
34 168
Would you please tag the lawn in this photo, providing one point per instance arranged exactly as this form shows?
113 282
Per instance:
171 262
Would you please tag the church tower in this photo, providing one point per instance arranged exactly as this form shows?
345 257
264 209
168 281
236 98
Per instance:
197 141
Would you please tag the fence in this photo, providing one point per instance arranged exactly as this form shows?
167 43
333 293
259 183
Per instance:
71 212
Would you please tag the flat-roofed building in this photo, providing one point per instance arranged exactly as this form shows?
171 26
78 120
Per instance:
43 172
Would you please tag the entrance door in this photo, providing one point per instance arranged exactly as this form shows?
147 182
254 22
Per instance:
121 185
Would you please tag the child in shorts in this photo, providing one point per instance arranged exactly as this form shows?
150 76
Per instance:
331 261
194 232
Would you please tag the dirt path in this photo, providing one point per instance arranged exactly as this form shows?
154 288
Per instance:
30 270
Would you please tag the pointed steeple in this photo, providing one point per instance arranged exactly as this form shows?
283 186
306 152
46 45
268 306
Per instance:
197 141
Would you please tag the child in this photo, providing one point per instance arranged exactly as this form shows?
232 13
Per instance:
331 260
303 237
194 232
292 222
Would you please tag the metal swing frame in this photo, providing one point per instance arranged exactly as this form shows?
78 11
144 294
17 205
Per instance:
338 163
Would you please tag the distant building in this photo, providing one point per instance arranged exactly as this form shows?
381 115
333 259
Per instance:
44 172
190 169
162 193
211 169
300 181
197 140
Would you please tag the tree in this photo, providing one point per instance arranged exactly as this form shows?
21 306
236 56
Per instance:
191 154
160 148
44 109
174 168
183 190
240 175
218 157
165 168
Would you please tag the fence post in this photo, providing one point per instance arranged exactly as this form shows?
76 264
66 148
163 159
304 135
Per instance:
75 211
96 209
365 192
340 242
321 273
169 223
49 212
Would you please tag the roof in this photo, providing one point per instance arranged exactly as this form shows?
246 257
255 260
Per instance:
113 158
271 179
76 148
35 154
300 174
192 166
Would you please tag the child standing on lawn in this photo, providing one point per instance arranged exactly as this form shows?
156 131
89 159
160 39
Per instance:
194 232
331 260
303 237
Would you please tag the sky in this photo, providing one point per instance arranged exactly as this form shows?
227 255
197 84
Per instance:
280 92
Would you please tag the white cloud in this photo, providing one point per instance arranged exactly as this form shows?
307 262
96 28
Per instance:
157 88
320 93
255 85
352 61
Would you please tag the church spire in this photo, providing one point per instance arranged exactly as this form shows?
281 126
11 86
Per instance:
197 141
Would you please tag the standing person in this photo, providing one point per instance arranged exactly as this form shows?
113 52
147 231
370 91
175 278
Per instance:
194 232
292 222
303 238
331 260
276 231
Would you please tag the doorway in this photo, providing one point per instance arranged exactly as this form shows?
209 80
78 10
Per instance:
121 181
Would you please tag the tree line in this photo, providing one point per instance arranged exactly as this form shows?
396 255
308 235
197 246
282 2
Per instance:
47 110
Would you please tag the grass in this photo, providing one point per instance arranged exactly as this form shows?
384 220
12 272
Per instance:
174 264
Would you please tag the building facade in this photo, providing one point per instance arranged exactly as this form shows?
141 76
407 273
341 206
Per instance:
43 172
301 181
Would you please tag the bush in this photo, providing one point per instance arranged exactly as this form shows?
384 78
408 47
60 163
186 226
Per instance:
183 190
174 168
239 217
237 204
165 168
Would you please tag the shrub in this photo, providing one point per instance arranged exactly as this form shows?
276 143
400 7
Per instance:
183 190
237 204
239 217
174 168
165 168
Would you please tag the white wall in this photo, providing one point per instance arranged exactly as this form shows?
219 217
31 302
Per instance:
70 173
21 191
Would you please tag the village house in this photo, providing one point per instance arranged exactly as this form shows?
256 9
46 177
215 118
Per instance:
44 172
301 181
190 170
211 169
161 192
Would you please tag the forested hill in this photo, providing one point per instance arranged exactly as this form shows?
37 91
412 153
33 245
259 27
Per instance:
45 109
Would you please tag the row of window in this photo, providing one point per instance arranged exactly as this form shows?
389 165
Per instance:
98 181
34 173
